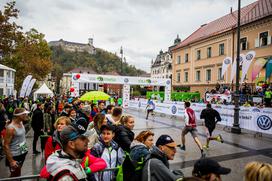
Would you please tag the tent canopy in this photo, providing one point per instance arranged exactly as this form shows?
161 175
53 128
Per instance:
43 90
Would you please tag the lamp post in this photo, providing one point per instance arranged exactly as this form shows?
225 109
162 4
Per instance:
235 127
121 52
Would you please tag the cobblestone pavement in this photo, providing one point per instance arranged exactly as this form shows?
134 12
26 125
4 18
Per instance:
235 152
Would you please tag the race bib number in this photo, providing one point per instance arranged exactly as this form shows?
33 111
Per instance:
23 147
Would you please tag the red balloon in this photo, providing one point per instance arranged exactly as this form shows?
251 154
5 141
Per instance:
77 76
72 89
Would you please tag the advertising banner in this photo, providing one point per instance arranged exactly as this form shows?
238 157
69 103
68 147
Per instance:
246 63
250 118
226 63
25 85
30 86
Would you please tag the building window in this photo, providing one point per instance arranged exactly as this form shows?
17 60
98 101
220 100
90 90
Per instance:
208 75
178 59
1 91
198 75
243 43
264 38
219 77
221 49
186 58
185 76
167 76
198 54
209 52
1 73
178 77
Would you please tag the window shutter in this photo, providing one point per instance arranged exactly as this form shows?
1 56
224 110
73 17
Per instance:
257 42
268 40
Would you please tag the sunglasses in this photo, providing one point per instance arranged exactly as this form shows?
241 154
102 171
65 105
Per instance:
170 147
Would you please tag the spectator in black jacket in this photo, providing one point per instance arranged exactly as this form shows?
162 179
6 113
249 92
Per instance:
124 135
37 126
209 115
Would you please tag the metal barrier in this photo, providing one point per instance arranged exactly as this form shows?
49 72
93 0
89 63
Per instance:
37 177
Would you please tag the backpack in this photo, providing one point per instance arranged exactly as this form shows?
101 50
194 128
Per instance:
131 170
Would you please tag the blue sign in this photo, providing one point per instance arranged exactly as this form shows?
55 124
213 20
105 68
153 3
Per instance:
264 122
174 109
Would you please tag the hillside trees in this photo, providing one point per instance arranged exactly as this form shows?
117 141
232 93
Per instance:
28 53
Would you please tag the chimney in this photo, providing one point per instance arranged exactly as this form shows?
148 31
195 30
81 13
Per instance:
230 10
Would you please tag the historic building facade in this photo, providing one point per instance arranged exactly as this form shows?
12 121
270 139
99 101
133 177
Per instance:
72 46
162 66
7 76
197 60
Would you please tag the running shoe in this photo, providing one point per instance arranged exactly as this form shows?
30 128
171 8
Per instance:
219 138
182 147
206 147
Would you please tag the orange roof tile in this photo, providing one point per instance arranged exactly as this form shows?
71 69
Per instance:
249 13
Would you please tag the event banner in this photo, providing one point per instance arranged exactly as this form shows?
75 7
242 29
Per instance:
250 118
257 67
126 95
246 63
30 86
226 62
233 68
25 85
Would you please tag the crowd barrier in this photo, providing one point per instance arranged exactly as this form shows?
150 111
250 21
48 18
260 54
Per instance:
250 118
37 177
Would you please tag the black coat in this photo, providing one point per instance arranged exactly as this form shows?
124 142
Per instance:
123 137
37 120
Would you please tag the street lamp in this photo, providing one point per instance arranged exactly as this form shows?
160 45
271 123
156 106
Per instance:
121 52
236 127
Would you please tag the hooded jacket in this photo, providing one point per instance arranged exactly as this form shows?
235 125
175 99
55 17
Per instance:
52 144
138 151
113 156
123 137
60 161
157 168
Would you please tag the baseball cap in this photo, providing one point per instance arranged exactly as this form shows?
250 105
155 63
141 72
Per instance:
205 166
81 124
166 140
70 133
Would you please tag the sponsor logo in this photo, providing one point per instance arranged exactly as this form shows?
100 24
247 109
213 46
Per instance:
249 56
174 109
99 78
256 110
218 107
264 122
126 80
168 82
227 61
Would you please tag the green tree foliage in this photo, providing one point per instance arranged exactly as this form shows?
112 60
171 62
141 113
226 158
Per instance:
28 53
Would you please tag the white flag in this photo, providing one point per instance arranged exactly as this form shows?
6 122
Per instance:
226 62
25 85
246 63
30 86
233 68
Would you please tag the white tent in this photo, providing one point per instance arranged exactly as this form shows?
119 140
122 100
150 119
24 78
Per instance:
44 91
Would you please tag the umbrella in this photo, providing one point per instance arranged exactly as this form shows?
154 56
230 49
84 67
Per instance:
94 95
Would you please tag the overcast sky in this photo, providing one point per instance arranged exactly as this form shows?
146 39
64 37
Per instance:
141 27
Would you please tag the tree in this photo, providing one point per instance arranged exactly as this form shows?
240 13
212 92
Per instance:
10 32
28 53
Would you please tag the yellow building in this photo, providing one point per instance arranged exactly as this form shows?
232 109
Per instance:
197 60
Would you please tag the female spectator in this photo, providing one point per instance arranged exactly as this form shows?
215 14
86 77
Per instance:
93 132
94 111
141 145
124 135
48 128
53 142
72 115
258 171
116 114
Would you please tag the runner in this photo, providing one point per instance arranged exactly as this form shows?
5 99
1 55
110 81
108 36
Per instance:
209 115
15 142
190 126
149 108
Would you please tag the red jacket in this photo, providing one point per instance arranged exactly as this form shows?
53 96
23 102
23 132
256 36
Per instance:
50 147
89 162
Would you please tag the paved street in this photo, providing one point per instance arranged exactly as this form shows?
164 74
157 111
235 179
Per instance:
235 152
